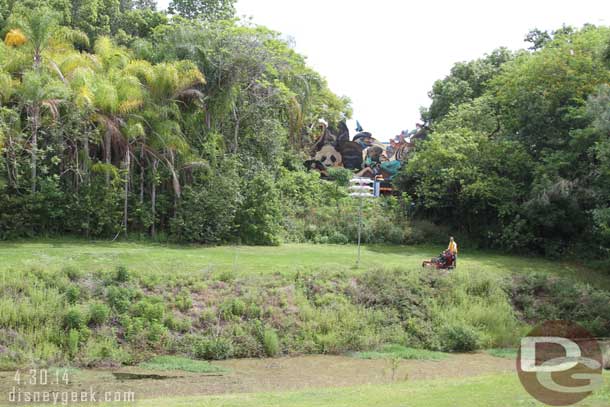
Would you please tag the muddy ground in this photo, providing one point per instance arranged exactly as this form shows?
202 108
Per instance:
262 375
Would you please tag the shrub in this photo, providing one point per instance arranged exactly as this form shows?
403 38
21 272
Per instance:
213 349
175 323
204 217
271 343
73 319
238 307
460 338
207 316
184 302
73 339
231 309
103 350
540 297
122 274
259 215
119 298
156 333
338 238
422 231
72 294
253 311
98 314
72 273
151 309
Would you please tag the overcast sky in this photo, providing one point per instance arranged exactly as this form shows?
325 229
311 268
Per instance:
386 54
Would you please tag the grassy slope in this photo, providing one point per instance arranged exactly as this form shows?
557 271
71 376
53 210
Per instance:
500 390
489 391
159 259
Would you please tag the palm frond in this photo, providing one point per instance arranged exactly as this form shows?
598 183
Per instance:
106 96
75 61
111 55
129 106
72 36
53 106
84 97
141 69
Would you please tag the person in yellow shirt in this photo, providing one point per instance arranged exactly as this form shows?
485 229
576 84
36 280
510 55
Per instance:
453 249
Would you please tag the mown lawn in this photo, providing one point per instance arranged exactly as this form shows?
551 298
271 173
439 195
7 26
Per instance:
489 391
288 258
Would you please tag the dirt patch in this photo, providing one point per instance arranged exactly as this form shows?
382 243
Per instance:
282 374
338 371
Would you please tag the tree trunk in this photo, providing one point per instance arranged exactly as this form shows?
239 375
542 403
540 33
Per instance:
126 202
153 197
34 141
236 133
175 181
86 155
142 175
77 174
107 152
37 58
11 163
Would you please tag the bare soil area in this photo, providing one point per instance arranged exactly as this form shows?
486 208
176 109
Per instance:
263 375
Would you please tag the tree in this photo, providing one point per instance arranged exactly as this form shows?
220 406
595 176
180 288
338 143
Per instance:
39 91
39 26
113 143
467 81
538 39
141 23
210 10
522 149
169 85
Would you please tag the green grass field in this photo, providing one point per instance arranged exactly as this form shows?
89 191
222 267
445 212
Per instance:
159 259
487 391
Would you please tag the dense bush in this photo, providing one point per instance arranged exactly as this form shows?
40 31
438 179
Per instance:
259 217
98 314
207 210
213 349
73 319
271 343
539 297
460 338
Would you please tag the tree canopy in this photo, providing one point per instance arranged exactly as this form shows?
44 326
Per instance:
518 153
117 118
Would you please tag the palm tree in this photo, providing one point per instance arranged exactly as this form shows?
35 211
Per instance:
169 86
102 86
38 26
39 91
8 87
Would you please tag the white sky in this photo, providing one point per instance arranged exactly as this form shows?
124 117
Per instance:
386 54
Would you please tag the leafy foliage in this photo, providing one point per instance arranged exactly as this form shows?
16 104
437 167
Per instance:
206 9
519 147
106 134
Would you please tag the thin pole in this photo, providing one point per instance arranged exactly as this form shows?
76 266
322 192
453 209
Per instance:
359 230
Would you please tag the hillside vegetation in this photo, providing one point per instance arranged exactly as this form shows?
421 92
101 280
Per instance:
77 303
